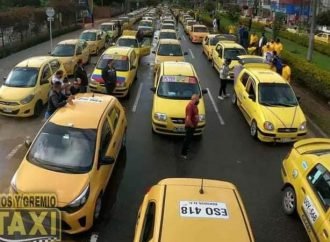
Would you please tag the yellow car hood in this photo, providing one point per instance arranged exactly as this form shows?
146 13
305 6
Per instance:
15 93
66 59
285 117
97 76
33 179
174 107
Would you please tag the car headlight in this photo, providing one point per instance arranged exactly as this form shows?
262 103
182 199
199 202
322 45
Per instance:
76 204
160 116
13 184
268 126
201 118
27 99
303 126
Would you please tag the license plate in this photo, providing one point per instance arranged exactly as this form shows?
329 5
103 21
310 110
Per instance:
7 110
285 140
180 129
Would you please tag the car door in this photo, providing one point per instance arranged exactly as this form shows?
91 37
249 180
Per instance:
204 44
79 54
314 192
115 118
218 57
249 102
45 82
133 66
85 51
240 88
145 46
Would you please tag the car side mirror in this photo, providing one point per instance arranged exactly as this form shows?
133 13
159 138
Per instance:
204 91
298 98
185 53
252 97
154 52
107 160
153 89
4 78
27 142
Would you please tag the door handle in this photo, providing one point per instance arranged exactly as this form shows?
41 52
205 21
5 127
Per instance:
303 189
325 233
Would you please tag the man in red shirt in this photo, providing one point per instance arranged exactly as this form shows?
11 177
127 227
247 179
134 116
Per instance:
191 123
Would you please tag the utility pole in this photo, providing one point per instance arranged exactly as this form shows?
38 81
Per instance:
312 32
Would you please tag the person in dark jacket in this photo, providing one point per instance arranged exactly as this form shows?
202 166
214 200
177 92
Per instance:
75 88
57 99
82 75
262 41
109 76
245 38
140 36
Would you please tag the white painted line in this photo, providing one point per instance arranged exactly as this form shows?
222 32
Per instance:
13 151
184 37
192 54
222 122
94 237
137 98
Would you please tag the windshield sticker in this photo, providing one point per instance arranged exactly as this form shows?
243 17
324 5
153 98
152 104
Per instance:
203 209
182 79
310 210
304 165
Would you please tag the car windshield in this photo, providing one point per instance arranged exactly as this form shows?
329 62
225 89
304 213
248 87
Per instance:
178 87
88 36
168 22
168 27
252 60
167 35
145 23
128 43
120 63
63 50
22 77
64 149
277 94
106 27
200 30
169 50
232 53
191 23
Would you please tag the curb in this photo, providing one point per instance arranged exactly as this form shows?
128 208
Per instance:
316 129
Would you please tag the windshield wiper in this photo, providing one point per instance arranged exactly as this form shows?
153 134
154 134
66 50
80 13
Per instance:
52 167
267 104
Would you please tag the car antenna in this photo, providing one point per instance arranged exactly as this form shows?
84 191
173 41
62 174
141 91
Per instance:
201 190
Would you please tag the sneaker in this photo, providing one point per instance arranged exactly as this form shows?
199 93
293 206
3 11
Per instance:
220 97
227 95
185 157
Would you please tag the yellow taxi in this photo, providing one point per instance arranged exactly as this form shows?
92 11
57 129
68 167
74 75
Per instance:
269 105
226 50
188 25
210 41
126 63
125 22
25 91
95 38
111 30
70 51
188 209
168 50
197 33
323 37
168 26
174 85
306 191
128 39
73 156
167 34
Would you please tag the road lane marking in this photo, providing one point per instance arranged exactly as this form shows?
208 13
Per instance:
13 151
222 122
137 98
184 37
192 54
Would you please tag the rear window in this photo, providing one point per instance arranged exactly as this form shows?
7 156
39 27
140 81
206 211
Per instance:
200 30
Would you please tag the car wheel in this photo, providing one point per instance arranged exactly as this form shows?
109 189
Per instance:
234 99
97 209
38 109
289 201
254 129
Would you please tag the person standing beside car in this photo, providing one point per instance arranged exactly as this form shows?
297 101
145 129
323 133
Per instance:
224 74
82 75
109 76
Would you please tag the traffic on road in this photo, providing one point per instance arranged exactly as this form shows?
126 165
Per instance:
179 135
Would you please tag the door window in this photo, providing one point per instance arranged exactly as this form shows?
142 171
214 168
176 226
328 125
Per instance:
106 136
244 78
319 179
46 73
148 223
55 65
250 87
79 50
114 117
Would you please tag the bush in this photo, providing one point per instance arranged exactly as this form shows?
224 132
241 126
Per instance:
308 75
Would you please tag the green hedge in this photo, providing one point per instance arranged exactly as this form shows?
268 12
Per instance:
308 75
10 49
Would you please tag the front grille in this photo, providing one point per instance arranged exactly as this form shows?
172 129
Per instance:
287 130
13 112
178 120
7 103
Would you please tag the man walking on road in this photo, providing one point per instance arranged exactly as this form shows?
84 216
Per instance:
82 75
224 76
109 76
191 123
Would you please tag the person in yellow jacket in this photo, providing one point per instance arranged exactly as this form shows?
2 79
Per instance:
278 46
231 29
286 72
266 48
254 39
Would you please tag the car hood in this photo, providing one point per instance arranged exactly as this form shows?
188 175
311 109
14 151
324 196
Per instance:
15 93
174 107
65 59
198 34
30 178
97 76
283 117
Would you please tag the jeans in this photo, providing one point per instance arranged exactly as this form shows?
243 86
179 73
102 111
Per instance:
187 140
83 89
223 86
109 88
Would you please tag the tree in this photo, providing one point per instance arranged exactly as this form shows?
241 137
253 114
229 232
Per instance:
234 12
323 18
6 21
22 20
209 6
66 9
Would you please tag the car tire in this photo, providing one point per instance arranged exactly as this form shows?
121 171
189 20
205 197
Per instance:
254 129
38 109
234 99
289 200
97 209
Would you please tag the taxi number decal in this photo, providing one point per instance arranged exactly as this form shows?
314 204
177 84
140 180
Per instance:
199 209
310 210
89 99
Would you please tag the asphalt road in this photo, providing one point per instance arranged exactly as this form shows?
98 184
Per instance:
226 152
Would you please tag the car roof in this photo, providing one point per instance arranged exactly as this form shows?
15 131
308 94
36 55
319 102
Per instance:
175 68
230 44
108 23
91 30
118 50
35 62
180 190
69 42
169 41
264 75
167 24
199 25
167 30
127 37
76 115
